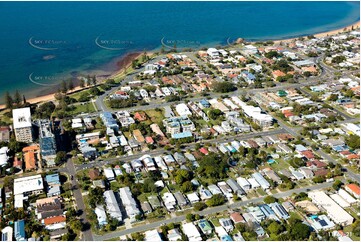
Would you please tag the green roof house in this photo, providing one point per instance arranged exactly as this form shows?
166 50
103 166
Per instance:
282 93
205 227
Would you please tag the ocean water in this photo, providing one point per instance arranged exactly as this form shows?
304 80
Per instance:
45 42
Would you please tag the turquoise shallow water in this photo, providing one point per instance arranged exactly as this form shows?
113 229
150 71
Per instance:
49 41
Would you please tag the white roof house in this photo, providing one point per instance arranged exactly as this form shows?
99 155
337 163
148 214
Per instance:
22 118
352 128
128 202
213 52
322 223
160 163
19 201
253 182
336 212
183 110
109 174
152 235
230 104
28 184
7 234
226 224
346 196
214 189
193 197
169 200
339 200
112 205
244 183
4 156
101 215
218 105
261 180
191 231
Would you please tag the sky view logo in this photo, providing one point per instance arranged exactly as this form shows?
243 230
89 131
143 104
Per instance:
46 44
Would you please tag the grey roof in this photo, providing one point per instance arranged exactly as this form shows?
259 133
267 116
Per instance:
261 180
180 199
112 205
236 188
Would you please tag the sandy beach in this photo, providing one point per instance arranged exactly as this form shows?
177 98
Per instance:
122 64
126 61
324 34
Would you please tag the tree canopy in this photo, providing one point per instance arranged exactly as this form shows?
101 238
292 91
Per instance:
224 87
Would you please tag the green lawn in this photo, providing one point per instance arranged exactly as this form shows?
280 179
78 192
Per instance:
215 222
279 165
154 115
261 192
86 108
348 231
4 118
76 95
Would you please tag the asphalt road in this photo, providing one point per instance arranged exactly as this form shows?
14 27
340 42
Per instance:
319 152
208 211
125 158
344 115
87 234
159 103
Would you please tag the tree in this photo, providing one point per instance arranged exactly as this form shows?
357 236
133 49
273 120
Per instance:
353 141
45 110
82 83
356 228
149 186
338 59
214 114
272 54
94 80
337 184
213 166
300 231
190 217
275 228
95 197
76 225
300 197
183 175
8 100
241 227
318 179
138 236
24 99
60 157
224 87
70 213
199 206
307 74
64 87
187 187
216 200
70 84
172 98
17 98
270 199
84 97
94 91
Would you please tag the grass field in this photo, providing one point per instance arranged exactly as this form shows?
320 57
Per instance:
86 108
154 115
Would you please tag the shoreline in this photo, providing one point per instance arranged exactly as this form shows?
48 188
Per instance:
125 61
355 25
122 63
